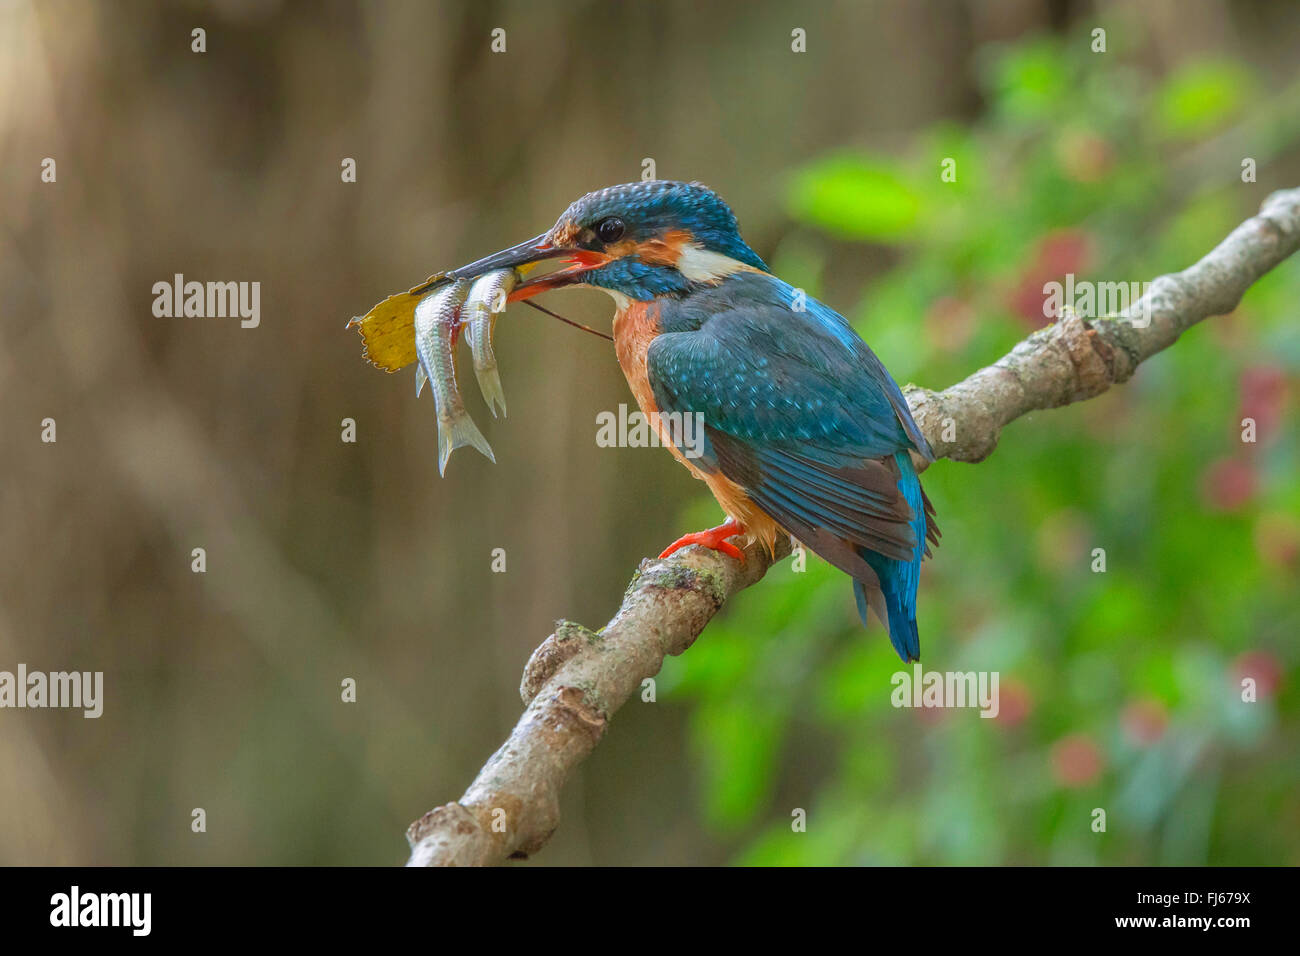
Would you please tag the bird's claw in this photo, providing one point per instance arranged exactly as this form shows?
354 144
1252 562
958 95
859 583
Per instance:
714 538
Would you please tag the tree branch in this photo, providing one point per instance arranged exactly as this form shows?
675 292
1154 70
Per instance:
1072 360
578 678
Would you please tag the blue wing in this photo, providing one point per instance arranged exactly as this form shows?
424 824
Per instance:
801 414
760 370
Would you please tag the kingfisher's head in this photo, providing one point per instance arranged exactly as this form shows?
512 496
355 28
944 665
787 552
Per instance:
639 241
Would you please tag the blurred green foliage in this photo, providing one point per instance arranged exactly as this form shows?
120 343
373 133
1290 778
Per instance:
1119 690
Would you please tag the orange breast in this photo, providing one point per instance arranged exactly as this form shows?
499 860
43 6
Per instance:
635 327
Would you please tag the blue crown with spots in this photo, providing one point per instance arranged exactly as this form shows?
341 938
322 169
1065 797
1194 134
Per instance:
657 206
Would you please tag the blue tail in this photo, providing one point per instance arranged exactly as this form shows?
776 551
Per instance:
899 579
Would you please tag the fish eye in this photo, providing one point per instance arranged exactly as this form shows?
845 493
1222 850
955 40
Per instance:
610 230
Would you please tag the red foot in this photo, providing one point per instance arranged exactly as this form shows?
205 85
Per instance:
714 538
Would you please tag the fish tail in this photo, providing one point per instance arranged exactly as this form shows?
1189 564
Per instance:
489 383
456 432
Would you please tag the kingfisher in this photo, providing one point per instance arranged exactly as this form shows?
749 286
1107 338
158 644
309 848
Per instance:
805 433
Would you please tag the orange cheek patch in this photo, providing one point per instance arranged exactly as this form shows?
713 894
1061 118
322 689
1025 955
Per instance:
657 253
664 251
626 247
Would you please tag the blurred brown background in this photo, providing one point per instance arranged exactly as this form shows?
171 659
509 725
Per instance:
328 560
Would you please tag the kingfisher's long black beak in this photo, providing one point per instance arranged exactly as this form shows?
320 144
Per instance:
527 254
534 250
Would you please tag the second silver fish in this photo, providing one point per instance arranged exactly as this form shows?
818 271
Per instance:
487 300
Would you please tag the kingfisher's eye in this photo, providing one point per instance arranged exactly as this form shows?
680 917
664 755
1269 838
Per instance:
610 230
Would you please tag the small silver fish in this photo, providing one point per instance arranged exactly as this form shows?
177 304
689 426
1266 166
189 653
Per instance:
437 323
487 300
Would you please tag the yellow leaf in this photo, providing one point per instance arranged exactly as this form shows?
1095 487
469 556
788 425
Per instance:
388 330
